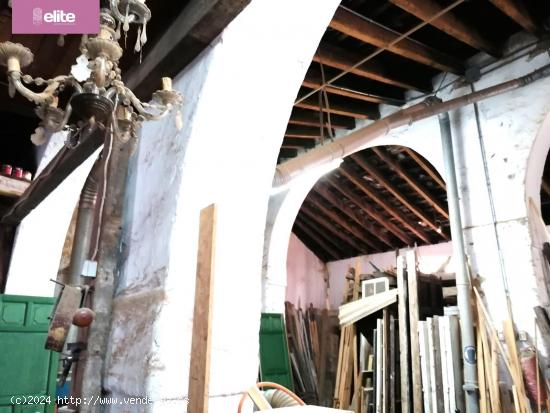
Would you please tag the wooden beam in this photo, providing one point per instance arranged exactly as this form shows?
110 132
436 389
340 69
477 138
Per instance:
432 173
375 174
413 325
61 166
314 216
343 60
328 250
198 24
370 32
306 117
303 132
449 23
352 176
359 111
350 212
315 83
350 228
298 143
403 334
413 183
321 234
373 213
518 12
201 342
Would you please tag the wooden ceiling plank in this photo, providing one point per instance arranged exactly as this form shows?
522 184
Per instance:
518 12
326 248
324 192
449 23
357 181
365 111
382 220
314 83
369 32
427 168
412 182
307 117
322 234
350 228
343 60
376 175
336 232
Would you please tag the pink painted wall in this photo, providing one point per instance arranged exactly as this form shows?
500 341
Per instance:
305 276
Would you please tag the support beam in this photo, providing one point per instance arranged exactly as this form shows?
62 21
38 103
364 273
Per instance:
375 174
303 132
321 234
432 173
355 110
449 23
353 214
370 32
198 24
314 216
327 249
352 176
201 344
343 60
517 11
413 183
355 231
315 83
373 213
306 117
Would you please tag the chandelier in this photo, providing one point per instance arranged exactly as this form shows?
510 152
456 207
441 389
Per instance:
93 92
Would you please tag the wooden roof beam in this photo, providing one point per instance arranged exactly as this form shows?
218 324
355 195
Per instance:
426 167
518 12
412 182
359 111
303 132
314 216
332 241
330 252
376 175
358 181
298 143
373 213
370 32
332 199
341 59
449 23
306 117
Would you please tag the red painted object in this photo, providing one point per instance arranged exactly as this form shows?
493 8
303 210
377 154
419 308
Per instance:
17 173
6 169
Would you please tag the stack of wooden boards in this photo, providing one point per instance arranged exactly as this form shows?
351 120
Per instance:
313 348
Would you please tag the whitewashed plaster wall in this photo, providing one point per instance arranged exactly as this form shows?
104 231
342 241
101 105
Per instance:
516 138
42 233
226 155
306 276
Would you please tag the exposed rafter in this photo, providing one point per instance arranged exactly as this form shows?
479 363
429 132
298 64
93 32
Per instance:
449 23
373 213
306 117
375 174
330 252
315 229
370 32
518 12
343 60
357 110
426 167
413 183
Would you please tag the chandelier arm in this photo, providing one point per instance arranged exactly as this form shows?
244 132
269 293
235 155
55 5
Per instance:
118 15
46 96
142 107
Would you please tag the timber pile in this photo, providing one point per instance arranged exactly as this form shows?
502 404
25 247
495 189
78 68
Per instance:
312 339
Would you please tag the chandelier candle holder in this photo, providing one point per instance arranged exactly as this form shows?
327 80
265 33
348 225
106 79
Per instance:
97 92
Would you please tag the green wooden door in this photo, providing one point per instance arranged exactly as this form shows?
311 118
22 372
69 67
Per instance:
274 360
27 371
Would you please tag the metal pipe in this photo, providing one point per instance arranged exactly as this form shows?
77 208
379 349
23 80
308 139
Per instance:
359 139
84 224
462 278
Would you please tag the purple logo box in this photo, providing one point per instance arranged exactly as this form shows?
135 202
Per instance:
55 16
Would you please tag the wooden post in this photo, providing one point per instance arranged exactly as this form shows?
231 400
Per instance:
413 322
199 371
403 335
